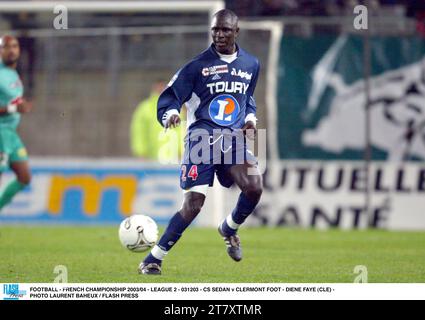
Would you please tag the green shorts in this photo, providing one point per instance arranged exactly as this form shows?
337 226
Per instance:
12 148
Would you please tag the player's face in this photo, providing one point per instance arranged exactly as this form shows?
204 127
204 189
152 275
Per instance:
9 50
224 31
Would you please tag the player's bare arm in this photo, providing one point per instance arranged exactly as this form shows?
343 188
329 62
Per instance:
173 121
250 129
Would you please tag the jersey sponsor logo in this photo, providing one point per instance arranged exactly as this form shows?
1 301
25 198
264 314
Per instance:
242 74
16 84
224 110
214 70
228 87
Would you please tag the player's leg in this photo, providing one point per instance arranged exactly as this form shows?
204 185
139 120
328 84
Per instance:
18 160
251 186
23 178
192 205
194 180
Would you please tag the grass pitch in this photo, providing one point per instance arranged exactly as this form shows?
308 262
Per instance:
94 254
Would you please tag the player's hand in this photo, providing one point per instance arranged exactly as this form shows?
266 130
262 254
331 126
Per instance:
250 130
173 122
24 106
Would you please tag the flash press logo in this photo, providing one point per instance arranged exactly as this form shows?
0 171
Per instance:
12 292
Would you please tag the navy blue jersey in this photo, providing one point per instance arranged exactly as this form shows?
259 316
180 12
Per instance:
217 94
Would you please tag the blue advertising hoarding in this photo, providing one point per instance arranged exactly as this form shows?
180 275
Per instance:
90 191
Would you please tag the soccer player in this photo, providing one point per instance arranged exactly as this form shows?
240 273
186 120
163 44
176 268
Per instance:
12 104
217 87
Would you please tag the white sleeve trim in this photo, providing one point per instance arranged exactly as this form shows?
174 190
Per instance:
251 117
168 114
12 108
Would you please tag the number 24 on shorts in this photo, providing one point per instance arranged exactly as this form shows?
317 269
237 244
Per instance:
193 172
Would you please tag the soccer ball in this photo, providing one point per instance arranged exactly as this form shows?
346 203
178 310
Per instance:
138 233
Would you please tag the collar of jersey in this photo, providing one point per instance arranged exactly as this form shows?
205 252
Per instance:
215 53
3 66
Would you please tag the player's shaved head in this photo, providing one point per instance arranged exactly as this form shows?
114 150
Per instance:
9 50
227 14
224 31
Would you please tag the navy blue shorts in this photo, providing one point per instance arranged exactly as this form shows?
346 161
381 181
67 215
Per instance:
213 154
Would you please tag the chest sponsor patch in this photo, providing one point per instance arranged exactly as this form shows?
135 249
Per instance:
215 70
224 110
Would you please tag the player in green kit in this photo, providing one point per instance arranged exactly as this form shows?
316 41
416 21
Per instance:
12 104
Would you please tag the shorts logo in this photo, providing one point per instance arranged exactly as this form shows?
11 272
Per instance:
224 109
4 159
215 70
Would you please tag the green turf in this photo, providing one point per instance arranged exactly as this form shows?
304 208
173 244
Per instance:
94 254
